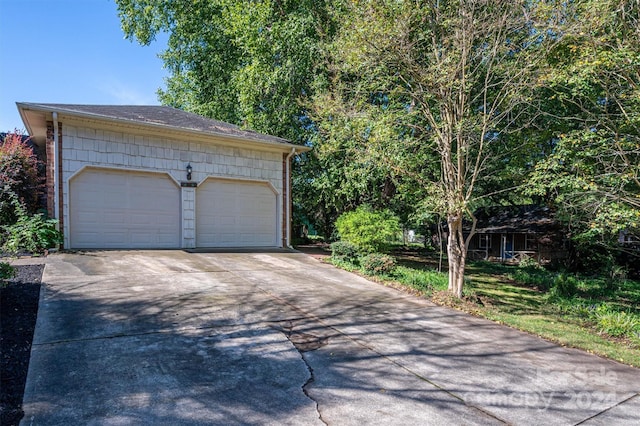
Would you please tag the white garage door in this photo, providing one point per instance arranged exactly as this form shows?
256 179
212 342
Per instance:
118 209
235 214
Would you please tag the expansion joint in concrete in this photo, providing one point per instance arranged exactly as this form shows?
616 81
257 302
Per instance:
600 413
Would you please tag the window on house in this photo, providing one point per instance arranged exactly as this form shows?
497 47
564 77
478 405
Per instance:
530 242
484 241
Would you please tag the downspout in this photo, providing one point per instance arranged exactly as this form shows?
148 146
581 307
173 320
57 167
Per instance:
289 199
56 161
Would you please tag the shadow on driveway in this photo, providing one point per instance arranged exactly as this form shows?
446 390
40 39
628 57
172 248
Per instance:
170 337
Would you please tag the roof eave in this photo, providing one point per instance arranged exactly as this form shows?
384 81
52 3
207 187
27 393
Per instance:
38 131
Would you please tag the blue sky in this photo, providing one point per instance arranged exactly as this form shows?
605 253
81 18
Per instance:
72 51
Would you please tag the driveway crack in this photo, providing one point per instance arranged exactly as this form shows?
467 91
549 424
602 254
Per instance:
304 342
307 384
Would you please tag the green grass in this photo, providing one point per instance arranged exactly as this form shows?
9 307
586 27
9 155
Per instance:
594 314
424 281
590 313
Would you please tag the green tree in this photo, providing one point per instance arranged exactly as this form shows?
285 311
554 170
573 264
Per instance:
445 88
592 87
339 174
431 108
254 63
240 61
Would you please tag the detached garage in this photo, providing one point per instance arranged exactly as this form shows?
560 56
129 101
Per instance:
158 177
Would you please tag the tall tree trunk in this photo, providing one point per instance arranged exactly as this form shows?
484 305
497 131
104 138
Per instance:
440 243
457 253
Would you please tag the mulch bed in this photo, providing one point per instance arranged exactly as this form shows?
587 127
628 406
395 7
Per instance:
18 312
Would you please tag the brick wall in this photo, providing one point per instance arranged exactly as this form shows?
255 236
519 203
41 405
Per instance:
50 171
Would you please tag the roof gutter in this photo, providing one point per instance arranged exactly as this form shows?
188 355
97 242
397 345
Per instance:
289 198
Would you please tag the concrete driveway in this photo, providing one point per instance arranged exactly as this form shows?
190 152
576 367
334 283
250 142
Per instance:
176 338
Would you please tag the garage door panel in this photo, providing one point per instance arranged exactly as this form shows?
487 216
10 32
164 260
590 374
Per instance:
113 218
166 239
165 220
114 238
87 218
85 238
110 197
246 222
120 209
235 214
139 219
224 221
228 238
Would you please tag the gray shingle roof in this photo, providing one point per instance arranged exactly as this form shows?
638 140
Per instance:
515 219
156 115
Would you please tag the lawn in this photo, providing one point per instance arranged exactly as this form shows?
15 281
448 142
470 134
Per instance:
595 314
598 320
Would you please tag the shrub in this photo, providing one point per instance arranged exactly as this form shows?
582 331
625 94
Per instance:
564 285
345 251
18 175
371 231
530 263
378 264
616 275
31 233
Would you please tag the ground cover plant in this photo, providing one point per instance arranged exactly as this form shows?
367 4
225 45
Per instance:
598 314
32 233
573 310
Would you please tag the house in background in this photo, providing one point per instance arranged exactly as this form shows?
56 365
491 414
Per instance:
158 177
629 239
513 233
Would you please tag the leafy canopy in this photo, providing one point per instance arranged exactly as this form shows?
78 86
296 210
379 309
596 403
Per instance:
592 88
244 62
436 92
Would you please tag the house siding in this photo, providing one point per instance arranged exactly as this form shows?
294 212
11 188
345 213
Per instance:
128 150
